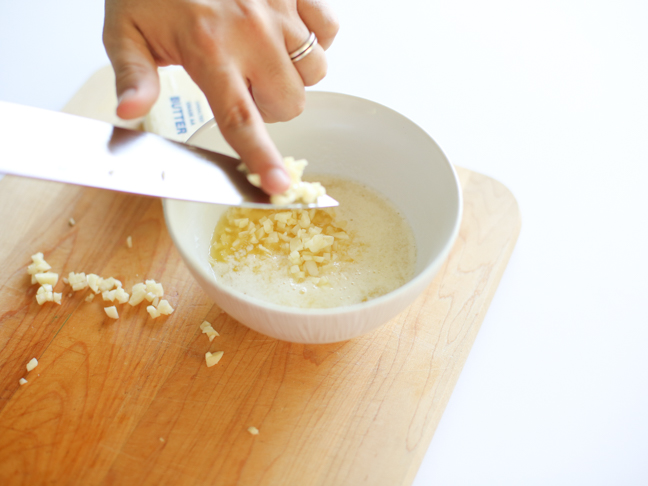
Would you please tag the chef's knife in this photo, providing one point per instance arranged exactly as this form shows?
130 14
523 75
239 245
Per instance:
67 148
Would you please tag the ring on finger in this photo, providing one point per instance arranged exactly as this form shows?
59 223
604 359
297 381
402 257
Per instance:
305 49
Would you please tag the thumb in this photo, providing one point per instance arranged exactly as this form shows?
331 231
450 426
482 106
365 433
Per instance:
136 77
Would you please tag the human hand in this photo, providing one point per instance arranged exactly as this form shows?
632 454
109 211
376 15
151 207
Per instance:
237 52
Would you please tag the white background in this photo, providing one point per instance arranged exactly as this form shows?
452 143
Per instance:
550 98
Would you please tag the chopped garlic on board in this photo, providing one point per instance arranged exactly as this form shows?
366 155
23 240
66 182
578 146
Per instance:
39 265
93 282
207 328
45 294
22 381
121 295
109 283
159 308
155 288
33 363
212 358
108 295
47 278
153 312
110 289
164 307
77 281
253 430
138 292
151 291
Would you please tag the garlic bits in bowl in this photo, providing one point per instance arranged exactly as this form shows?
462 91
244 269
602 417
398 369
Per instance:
327 275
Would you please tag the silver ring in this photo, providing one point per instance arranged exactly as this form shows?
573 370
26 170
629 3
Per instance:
305 49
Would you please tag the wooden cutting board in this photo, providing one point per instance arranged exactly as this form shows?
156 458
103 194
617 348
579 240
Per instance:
130 401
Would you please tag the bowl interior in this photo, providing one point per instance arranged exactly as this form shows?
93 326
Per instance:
356 139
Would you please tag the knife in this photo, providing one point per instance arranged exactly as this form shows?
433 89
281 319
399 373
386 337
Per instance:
59 147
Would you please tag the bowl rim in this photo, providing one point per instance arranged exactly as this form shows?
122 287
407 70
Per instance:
424 276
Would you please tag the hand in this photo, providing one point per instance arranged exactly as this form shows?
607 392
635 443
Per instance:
237 52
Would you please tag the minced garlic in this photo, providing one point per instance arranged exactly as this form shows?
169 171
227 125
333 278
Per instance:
110 289
50 278
164 307
138 292
45 294
159 307
311 240
253 430
33 363
22 381
212 358
207 328
118 294
153 312
109 284
152 292
121 295
154 288
77 281
316 258
39 264
299 191
93 282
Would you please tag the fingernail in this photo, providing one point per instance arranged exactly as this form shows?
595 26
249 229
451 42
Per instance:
278 180
126 94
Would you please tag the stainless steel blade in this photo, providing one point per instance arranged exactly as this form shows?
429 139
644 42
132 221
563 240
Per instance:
67 148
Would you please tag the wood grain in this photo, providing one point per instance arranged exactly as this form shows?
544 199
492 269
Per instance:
131 401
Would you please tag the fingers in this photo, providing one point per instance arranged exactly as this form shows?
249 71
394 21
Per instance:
136 75
319 18
137 84
311 68
311 16
241 124
276 86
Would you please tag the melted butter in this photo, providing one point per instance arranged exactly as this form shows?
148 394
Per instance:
373 250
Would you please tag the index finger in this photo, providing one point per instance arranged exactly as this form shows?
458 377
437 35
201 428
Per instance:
241 124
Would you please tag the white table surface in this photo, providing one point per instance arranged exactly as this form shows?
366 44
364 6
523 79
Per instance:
550 98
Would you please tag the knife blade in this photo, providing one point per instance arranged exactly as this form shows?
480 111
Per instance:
60 147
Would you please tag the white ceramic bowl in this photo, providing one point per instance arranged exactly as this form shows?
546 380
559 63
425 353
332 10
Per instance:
354 138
